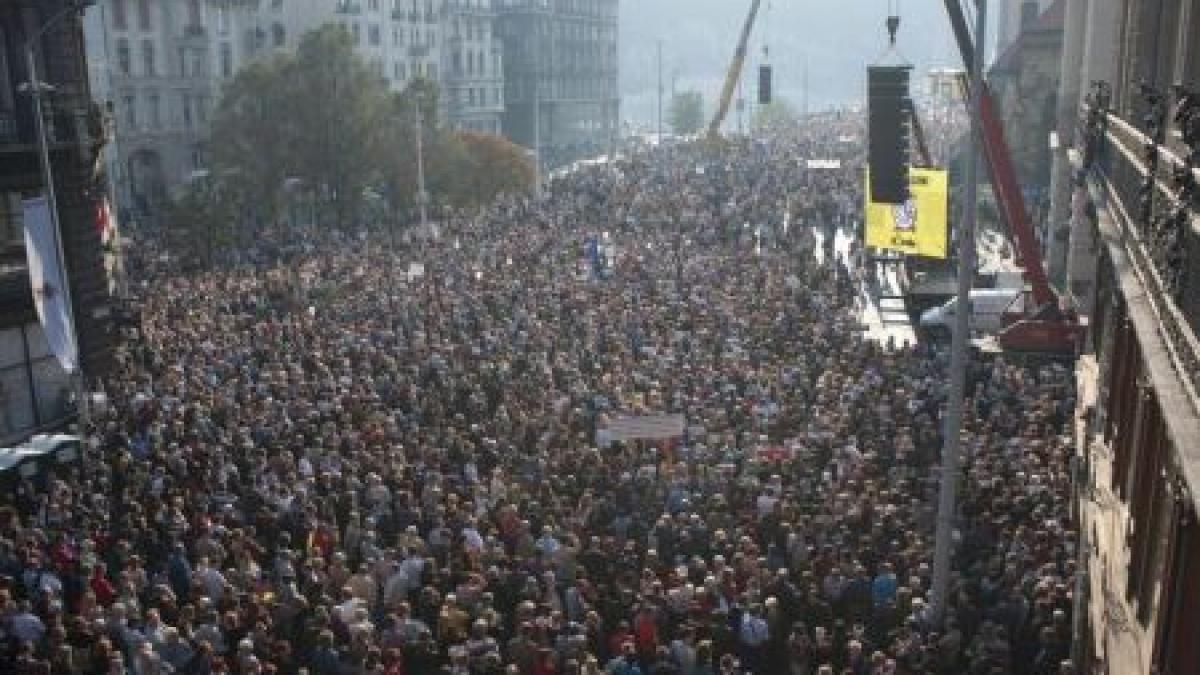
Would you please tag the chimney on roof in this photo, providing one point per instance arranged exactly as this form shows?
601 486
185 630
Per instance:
1029 14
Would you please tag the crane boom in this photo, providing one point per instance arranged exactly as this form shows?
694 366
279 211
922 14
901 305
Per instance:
1002 172
735 72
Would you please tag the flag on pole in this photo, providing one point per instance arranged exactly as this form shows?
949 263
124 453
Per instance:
110 240
49 283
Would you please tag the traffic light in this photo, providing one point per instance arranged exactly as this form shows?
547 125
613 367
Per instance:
889 114
764 85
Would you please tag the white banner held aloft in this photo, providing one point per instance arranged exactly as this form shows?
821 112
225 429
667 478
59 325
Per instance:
641 427
824 163
48 281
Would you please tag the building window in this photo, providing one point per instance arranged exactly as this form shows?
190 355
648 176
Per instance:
278 35
186 107
130 112
124 59
202 109
226 59
373 35
357 33
193 12
222 19
276 5
144 14
148 58
120 17
373 5
154 111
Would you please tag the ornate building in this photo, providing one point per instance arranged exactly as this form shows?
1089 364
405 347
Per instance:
1126 189
160 65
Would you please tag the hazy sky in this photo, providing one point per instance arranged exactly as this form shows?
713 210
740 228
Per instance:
837 39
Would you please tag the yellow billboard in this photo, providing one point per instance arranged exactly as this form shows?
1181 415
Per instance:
916 227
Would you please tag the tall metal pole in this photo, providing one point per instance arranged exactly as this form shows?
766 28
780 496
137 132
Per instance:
660 92
422 196
537 114
805 108
35 92
948 494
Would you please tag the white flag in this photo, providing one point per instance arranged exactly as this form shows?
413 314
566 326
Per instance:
48 282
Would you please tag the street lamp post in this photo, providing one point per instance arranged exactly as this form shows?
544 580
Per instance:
422 196
537 114
948 487
35 93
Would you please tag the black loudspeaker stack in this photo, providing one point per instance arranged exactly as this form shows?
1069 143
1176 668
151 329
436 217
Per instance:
889 113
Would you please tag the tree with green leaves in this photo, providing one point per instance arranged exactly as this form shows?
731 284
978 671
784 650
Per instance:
776 114
340 113
201 220
253 132
686 112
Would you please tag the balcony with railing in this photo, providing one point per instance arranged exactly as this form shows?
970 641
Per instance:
1153 190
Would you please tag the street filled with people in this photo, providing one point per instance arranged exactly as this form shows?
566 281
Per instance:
387 453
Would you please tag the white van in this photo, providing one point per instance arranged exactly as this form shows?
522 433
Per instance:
988 307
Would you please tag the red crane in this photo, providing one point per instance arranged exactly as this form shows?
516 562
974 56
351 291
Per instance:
1041 325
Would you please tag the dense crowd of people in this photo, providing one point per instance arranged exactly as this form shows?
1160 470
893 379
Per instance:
349 463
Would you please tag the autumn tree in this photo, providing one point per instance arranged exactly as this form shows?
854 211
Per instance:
483 167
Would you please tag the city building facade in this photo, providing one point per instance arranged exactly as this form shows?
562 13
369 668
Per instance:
161 65
1126 190
473 67
34 390
560 76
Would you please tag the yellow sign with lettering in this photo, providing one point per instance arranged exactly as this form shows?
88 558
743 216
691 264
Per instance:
916 227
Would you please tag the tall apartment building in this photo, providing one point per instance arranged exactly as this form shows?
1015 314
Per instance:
473 66
34 390
1126 191
560 69
160 64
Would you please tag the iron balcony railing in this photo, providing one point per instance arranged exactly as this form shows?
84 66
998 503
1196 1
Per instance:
1153 193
